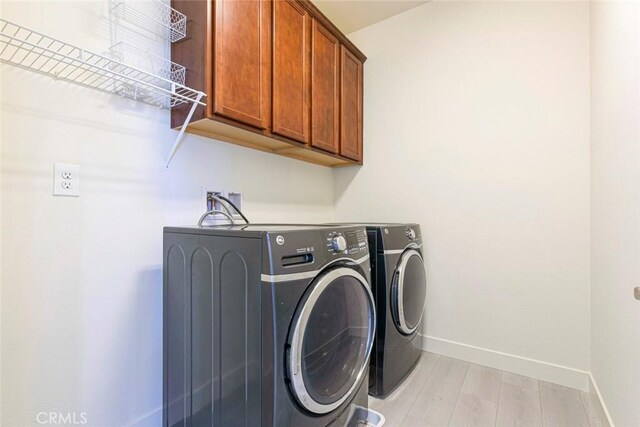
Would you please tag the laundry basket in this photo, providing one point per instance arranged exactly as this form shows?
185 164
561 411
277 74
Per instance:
364 417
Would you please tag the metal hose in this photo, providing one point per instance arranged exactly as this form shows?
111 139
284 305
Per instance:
215 212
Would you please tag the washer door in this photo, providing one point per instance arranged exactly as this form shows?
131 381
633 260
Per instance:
331 340
408 292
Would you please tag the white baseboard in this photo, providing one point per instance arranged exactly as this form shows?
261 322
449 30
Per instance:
538 369
595 391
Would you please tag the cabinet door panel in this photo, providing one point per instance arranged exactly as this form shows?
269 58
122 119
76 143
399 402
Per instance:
242 61
291 70
350 106
325 64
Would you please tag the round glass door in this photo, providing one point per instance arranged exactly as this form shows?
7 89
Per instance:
332 337
408 292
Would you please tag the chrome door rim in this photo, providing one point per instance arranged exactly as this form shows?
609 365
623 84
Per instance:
401 322
295 360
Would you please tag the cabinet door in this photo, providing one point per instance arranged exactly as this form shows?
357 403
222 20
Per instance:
242 61
350 106
325 66
291 70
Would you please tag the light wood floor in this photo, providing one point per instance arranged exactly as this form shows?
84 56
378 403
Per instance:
442 391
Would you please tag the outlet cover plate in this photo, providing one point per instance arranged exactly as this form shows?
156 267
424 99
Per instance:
66 180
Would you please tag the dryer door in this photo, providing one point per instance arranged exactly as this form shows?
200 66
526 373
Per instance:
331 339
408 292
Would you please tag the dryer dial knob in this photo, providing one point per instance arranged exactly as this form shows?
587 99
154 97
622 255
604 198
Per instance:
339 244
411 234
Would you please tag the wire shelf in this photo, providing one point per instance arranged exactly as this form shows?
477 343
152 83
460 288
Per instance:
144 60
29 49
154 13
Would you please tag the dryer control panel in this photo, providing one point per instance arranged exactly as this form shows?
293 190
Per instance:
394 238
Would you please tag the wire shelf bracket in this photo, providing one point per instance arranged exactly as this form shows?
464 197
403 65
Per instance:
28 49
176 144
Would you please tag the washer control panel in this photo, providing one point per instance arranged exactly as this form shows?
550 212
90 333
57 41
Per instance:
347 242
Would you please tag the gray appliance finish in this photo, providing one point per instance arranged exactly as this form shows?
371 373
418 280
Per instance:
398 282
266 325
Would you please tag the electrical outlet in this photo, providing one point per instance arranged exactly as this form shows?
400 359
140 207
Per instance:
236 198
66 180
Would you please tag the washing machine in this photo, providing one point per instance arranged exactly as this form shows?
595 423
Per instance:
266 325
398 282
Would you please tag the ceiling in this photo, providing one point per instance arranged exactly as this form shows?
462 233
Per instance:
351 15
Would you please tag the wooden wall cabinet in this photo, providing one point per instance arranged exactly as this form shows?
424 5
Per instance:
278 75
325 89
242 63
351 119
291 84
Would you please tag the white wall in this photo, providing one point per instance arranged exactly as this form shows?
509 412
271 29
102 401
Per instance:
81 278
615 206
477 127
1 228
